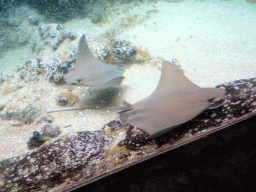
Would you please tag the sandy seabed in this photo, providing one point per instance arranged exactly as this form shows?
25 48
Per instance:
213 41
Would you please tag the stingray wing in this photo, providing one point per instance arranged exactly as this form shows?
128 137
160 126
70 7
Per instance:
90 71
173 80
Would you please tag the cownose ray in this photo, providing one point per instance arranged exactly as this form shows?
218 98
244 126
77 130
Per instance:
175 101
89 71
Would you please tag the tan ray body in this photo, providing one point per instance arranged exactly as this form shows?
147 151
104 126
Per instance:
176 100
90 71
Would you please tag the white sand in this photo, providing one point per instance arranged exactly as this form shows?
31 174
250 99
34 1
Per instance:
214 42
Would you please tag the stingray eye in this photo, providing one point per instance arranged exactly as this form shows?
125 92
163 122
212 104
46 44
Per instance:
123 110
78 80
211 100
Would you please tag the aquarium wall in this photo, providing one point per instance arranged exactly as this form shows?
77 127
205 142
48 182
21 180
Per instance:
85 83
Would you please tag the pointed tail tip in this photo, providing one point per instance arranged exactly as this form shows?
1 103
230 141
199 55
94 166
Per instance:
125 106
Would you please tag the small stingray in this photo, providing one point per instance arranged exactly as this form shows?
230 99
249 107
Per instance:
175 101
99 98
102 97
90 71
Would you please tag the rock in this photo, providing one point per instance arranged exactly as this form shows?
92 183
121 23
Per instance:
58 79
25 114
72 35
123 49
33 20
36 140
60 27
50 130
44 31
61 100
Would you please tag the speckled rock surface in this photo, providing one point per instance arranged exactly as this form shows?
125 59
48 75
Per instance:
122 50
41 169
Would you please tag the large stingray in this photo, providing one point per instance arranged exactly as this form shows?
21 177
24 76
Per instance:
90 71
176 100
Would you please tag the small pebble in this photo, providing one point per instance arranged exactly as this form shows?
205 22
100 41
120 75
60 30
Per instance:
61 100
16 124
2 106
60 27
58 79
